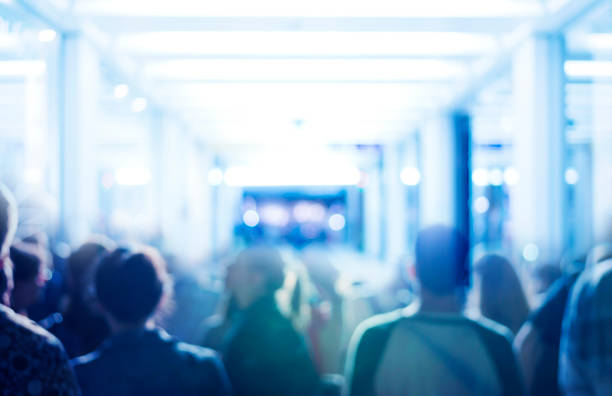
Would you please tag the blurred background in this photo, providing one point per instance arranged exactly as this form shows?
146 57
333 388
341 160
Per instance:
200 127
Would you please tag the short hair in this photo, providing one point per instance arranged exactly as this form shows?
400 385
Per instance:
442 259
8 226
27 262
82 263
130 283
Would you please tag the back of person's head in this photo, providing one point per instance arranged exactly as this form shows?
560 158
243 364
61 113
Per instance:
502 298
131 284
8 226
82 263
29 264
256 272
442 260
266 262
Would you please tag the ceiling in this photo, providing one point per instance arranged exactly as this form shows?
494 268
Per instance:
345 71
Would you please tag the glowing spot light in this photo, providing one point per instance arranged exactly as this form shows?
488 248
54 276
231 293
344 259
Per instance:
511 176
215 177
250 218
410 176
275 215
139 105
46 35
481 205
337 222
496 177
33 176
531 252
132 176
121 91
480 177
571 176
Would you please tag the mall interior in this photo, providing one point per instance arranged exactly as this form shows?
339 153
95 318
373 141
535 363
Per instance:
336 127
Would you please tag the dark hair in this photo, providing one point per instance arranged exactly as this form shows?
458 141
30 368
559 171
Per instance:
82 263
442 259
130 284
27 261
502 298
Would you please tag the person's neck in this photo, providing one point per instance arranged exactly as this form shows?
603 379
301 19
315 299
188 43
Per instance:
447 303
123 327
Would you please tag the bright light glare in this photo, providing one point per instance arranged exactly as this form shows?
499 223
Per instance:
139 105
22 68
531 252
215 177
571 176
481 205
47 35
583 69
480 177
121 91
496 177
410 176
132 176
285 176
336 222
275 215
250 218
315 8
306 69
309 43
305 211
33 176
511 176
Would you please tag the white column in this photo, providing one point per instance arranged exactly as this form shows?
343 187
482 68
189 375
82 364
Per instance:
394 200
602 156
539 128
437 201
79 98
372 214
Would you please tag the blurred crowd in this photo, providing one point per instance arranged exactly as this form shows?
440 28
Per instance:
119 319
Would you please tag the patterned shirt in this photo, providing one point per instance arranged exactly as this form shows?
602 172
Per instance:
32 361
585 360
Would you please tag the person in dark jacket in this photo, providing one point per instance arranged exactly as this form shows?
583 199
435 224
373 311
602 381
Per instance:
263 352
82 328
140 359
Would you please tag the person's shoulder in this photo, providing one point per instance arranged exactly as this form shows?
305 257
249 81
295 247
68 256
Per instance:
195 352
491 329
22 327
188 353
378 325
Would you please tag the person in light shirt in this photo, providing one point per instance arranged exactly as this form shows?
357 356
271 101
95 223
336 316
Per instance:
431 347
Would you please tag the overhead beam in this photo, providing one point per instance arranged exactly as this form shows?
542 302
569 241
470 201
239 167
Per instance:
66 23
133 24
492 68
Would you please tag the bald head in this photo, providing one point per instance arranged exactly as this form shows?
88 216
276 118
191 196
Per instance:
8 226
441 259
8 219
